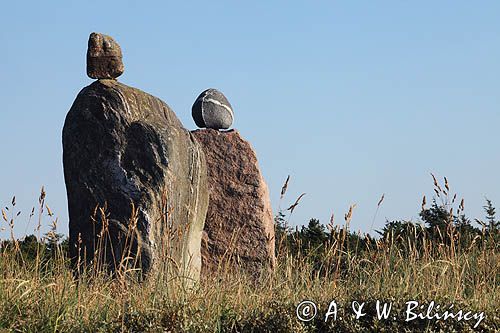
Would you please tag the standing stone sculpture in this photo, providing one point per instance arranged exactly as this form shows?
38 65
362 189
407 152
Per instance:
136 179
212 110
239 228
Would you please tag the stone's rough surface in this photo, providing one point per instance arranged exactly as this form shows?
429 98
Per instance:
122 146
239 224
212 110
104 57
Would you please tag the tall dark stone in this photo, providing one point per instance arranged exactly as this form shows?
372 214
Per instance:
126 151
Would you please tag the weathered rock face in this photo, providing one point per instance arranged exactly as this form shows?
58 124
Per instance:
122 146
104 57
211 109
239 226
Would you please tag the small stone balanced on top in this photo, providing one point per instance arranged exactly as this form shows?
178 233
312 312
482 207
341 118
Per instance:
212 110
104 57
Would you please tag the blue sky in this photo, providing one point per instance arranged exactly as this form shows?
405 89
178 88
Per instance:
351 98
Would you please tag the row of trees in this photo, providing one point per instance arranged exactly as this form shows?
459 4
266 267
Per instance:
438 226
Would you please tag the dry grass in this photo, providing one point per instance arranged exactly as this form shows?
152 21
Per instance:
45 296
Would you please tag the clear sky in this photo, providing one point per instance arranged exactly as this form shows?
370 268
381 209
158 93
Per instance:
353 99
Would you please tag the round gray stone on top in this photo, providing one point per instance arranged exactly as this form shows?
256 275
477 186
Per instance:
212 110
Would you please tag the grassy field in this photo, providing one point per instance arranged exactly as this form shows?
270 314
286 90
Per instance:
39 292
